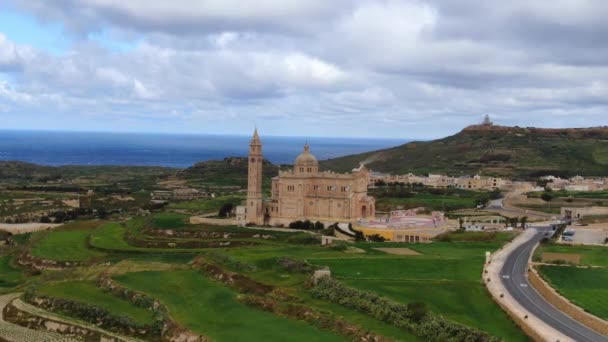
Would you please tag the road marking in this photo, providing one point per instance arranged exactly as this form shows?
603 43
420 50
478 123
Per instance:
506 276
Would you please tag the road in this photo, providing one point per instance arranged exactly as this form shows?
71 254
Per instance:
514 278
499 207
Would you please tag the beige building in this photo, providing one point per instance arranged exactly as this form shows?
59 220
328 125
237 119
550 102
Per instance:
305 193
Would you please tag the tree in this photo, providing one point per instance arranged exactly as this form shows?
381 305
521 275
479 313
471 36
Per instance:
523 221
460 223
513 221
225 210
546 196
266 219
319 226
376 238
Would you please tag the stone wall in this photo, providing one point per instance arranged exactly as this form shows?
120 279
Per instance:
212 221
564 305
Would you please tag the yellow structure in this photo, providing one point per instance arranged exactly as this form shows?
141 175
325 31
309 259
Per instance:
305 193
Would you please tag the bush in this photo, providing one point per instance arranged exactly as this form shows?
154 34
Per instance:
305 225
547 197
225 210
319 226
304 239
296 266
376 238
413 317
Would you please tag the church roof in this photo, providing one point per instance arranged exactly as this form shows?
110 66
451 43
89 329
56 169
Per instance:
306 158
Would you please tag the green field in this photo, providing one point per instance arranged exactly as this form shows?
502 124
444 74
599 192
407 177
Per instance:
586 287
207 205
10 276
110 236
89 293
169 220
393 197
65 245
590 255
466 302
212 310
446 278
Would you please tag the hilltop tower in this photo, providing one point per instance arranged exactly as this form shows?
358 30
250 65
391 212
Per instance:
254 181
487 121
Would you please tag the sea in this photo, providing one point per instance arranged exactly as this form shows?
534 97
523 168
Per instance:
170 150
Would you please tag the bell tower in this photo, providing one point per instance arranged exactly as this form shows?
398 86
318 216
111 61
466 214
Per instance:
254 181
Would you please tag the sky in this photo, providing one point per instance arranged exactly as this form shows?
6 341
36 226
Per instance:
408 69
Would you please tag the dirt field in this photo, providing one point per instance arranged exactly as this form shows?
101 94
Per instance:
398 251
21 228
571 258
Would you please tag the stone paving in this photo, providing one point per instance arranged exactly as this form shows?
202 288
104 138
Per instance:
17 333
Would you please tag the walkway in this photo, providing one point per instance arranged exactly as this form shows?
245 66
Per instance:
17 333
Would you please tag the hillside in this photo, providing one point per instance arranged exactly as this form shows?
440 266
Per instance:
229 171
18 171
494 150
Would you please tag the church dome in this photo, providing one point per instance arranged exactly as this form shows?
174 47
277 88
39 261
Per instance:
306 158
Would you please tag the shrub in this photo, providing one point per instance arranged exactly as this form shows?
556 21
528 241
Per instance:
306 225
413 317
296 266
376 238
304 239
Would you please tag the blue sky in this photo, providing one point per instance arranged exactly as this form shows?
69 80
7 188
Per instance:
372 68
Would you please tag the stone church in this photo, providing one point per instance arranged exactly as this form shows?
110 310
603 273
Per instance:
305 193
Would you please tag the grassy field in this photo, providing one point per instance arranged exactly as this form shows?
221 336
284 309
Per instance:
446 277
89 293
590 255
10 276
585 287
169 220
110 236
573 194
392 198
207 205
65 245
212 310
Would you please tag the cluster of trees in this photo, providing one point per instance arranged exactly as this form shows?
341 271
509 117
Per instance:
307 225
413 317
225 210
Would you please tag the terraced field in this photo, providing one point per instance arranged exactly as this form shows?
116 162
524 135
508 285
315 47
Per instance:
150 255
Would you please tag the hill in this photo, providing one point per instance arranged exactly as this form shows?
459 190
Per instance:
493 150
18 171
229 171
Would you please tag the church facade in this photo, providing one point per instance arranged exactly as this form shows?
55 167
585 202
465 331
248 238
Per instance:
305 193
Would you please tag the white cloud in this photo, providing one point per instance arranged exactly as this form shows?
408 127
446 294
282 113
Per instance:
374 64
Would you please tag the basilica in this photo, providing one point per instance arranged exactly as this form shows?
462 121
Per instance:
305 193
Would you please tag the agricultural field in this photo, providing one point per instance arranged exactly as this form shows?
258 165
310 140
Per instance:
207 205
163 257
395 197
589 255
87 292
585 287
10 275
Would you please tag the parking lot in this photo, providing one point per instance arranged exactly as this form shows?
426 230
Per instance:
586 236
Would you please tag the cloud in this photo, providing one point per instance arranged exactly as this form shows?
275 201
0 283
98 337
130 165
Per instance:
409 68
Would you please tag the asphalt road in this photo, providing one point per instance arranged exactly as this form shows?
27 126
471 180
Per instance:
514 278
